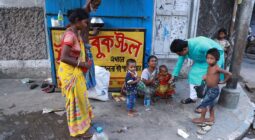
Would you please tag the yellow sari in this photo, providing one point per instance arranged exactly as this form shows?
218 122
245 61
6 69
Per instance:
73 86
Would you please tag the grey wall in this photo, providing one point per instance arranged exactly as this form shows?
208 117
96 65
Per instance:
22 34
21 3
213 15
23 50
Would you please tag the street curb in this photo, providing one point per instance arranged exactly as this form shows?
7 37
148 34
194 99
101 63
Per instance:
239 133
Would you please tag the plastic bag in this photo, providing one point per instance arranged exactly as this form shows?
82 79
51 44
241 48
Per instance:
100 91
201 89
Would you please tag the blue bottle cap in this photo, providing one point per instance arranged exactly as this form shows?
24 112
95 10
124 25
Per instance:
99 129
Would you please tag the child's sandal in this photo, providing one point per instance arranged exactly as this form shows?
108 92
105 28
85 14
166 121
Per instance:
33 86
201 124
204 130
207 128
49 89
117 99
209 123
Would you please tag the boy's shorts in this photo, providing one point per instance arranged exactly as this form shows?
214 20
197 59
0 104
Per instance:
210 97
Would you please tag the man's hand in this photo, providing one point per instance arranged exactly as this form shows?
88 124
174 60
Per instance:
92 5
173 79
204 77
87 5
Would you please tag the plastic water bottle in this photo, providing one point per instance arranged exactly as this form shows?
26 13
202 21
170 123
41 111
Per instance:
60 19
100 135
147 101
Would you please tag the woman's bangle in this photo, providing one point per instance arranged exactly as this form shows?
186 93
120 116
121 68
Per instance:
78 63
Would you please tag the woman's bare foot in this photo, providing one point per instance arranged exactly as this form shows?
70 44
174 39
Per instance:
198 120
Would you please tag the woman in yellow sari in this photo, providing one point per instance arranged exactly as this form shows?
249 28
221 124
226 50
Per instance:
72 66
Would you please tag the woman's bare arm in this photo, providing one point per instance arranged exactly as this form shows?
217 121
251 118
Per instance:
65 57
147 82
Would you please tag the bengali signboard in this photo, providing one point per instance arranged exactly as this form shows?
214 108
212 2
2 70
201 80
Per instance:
110 48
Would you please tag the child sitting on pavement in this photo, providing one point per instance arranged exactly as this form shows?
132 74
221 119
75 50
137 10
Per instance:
212 79
131 81
149 77
164 89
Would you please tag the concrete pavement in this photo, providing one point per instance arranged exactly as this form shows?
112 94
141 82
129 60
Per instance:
161 123
248 74
247 70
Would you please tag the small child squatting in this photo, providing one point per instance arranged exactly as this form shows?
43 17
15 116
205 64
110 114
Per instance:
131 81
164 88
212 79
